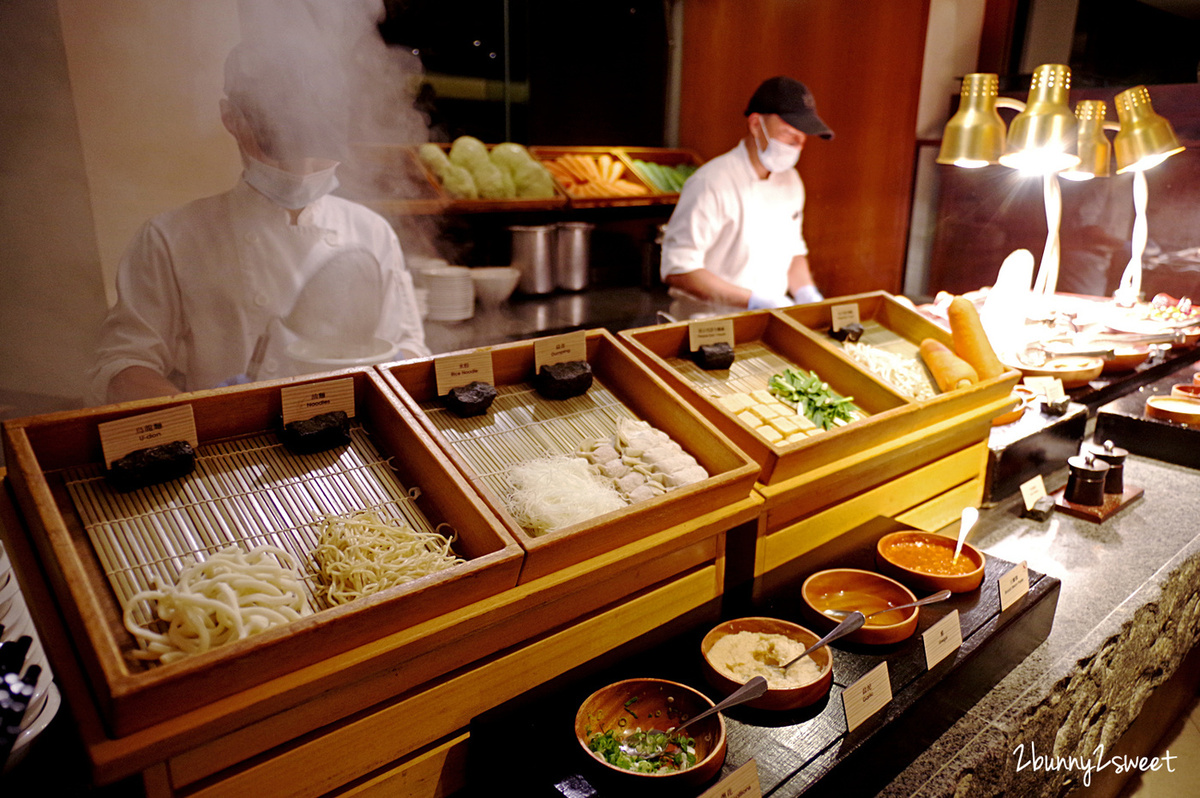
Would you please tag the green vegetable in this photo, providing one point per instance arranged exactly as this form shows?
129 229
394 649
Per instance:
807 393
458 182
435 158
680 751
667 179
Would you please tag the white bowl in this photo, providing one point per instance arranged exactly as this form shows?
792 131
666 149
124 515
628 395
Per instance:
494 284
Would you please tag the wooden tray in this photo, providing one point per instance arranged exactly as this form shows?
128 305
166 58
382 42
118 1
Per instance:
807 751
651 197
44 452
658 155
623 388
765 340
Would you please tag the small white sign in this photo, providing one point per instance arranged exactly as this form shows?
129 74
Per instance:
705 332
942 639
302 402
1032 490
843 315
564 348
867 696
1049 387
463 368
124 435
1013 585
741 783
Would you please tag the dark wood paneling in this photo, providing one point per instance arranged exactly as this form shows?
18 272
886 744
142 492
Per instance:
862 59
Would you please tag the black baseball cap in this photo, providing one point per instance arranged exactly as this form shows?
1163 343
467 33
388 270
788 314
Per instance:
792 102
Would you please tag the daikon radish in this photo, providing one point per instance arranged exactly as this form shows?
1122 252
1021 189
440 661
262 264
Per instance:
970 341
949 371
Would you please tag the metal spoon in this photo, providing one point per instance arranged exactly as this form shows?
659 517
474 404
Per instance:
747 692
941 595
852 623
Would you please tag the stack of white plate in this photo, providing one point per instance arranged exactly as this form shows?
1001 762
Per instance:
14 617
420 266
451 293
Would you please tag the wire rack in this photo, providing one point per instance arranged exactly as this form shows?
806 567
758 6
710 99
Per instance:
246 492
521 426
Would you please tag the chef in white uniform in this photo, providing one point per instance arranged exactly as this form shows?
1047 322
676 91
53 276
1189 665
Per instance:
202 287
735 240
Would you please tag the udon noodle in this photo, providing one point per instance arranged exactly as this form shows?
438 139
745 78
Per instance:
229 596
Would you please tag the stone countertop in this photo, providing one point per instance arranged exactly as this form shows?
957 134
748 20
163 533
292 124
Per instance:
1127 615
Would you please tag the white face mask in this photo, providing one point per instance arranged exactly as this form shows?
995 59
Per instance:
777 156
289 189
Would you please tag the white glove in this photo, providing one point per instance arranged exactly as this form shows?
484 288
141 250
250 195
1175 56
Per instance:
807 293
766 302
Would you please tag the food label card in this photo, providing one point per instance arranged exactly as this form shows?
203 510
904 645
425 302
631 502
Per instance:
1013 585
942 639
559 349
119 438
452 371
1049 387
843 315
1032 490
867 696
741 783
705 332
302 402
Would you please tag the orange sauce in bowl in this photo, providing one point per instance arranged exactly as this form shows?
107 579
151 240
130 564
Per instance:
930 558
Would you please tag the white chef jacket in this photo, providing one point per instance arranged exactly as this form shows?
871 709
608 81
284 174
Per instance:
738 226
200 284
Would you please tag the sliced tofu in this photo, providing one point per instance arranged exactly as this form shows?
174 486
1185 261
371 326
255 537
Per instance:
785 424
763 396
804 422
748 418
770 434
765 412
736 402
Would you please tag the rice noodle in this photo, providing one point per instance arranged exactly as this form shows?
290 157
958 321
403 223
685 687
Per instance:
230 596
550 493
907 374
361 554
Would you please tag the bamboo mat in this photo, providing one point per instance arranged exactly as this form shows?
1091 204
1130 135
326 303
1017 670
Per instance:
753 365
247 492
521 426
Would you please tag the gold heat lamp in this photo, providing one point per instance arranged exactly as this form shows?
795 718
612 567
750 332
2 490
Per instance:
974 136
1042 138
1092 145
1145 139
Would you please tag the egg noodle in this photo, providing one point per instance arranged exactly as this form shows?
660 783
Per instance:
361 554
229 596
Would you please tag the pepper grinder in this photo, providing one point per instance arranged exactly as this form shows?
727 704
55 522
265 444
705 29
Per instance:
1115 457
1085 482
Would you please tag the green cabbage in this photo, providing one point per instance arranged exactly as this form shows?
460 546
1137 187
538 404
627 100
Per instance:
469 151
433 157
459 183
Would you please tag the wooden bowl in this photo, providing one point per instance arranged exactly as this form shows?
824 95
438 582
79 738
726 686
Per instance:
866 591
1186 390
776 698
1073 370
1174 408
635 704
1126 358
1023 397
911 557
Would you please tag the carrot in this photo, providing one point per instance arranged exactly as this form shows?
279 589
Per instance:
949 370
970 341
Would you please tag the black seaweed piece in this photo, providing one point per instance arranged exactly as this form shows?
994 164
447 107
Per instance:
472 399
563 380
850 332
320 433
1058 407
714 356
153 465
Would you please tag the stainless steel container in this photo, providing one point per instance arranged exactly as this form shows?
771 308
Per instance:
573 260
533 256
